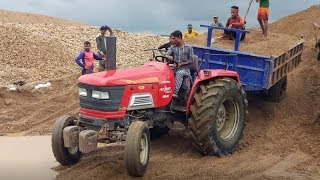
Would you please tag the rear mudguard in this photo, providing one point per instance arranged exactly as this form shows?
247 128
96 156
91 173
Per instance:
206 75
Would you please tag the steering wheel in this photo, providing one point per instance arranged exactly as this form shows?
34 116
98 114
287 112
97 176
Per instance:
173 65
161 58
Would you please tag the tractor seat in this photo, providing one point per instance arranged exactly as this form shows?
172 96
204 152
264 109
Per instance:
194 67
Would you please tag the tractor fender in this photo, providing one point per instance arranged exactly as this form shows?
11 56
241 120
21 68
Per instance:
207 75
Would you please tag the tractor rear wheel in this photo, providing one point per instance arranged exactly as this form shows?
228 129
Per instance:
65 156
137 148
218 117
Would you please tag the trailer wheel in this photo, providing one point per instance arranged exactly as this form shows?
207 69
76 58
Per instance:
278 91
65 156
318 50
137 148
218 117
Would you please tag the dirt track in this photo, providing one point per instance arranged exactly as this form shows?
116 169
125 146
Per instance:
281 141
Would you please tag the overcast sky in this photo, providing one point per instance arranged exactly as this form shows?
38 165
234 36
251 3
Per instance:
156 16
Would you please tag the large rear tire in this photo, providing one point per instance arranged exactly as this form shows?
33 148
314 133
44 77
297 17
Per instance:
65 156
218 117
137 148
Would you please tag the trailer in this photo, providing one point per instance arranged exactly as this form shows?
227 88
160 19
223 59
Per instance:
257 72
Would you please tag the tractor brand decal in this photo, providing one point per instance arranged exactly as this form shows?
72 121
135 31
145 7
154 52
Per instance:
166 89
141 87
165 96
165 82
122 108
143 80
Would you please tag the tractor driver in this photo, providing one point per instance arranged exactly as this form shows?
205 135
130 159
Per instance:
182 55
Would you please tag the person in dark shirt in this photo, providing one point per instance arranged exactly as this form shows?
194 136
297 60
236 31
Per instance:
166 46
101 41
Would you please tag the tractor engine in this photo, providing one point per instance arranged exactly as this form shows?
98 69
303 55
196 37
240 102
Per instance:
110 100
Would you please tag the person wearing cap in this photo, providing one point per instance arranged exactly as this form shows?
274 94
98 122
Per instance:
101 41
216 22
190 32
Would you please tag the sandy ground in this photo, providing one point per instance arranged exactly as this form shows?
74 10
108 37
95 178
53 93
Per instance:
35 162
281 141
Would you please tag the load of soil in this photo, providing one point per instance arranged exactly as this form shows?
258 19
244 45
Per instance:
275 44
281 141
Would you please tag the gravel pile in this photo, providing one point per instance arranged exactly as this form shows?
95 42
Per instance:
41 47
38 48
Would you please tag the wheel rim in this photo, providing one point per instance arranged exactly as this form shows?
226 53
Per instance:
228 119
144 149
221 117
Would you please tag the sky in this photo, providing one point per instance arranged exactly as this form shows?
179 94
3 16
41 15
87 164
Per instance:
152 16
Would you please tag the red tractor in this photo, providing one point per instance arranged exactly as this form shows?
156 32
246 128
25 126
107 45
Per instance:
133 103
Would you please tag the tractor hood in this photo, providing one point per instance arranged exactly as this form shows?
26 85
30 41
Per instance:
151 72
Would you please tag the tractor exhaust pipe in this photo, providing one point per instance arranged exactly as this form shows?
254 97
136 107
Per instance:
111 52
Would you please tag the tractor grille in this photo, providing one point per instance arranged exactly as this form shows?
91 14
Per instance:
109 105
141 101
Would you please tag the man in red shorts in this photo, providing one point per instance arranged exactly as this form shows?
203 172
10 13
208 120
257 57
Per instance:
263 15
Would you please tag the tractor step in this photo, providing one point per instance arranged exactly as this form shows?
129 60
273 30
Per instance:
179 108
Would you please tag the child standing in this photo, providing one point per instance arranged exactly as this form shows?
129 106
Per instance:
86 57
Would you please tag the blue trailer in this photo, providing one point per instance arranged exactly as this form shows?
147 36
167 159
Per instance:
257 72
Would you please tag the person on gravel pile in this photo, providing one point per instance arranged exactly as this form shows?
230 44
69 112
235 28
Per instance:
216 22
235 22
101 41
263 15
190 32
86 57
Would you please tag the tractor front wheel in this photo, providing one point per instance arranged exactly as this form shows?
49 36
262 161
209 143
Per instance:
137 148
65 156
218 117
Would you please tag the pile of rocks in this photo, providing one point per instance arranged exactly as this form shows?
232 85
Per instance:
38 50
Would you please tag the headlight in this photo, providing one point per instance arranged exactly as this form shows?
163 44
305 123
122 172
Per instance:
100 95
82 92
